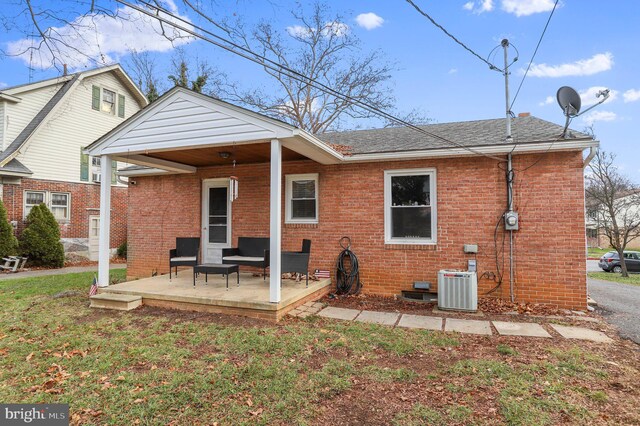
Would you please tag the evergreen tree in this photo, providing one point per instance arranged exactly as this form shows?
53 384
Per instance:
8 241
40 241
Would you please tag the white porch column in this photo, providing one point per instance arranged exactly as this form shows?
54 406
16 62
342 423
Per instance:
105 221
276 222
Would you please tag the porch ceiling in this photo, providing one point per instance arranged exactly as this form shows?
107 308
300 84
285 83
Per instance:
210 156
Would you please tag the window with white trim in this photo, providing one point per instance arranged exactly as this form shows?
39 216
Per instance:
410 206
301 195
31 199
108 101
58 202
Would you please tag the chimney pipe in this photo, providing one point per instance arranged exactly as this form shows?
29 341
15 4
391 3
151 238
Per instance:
524 114
64 70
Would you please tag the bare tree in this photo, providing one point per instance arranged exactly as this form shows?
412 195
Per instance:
617 200
320 46
143 69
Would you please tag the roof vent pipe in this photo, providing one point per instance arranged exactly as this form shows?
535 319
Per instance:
65 72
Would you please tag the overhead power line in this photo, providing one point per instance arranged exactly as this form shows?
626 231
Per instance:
277 67
444 30
534 55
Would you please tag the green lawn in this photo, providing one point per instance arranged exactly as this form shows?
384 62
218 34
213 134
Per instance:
633 279
153 366
597 252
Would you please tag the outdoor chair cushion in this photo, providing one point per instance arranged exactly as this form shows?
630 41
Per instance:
243 258
184 259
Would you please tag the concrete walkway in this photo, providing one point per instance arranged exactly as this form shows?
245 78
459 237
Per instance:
61 271
464 326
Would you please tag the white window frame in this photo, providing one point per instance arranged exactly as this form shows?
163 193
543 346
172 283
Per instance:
25 213
114 112
289 179
388 174
47 196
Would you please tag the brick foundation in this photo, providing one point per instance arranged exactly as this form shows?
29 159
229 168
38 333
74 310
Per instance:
471 196
85 202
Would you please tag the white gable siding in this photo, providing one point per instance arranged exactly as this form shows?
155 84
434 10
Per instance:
194 122
19 115
2 129
54 152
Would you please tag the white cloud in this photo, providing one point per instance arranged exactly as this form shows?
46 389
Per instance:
479 6
337 28
548 100
594 116
631 95
589 96
598 63
103 39
369 21
3 84
527 7
453 70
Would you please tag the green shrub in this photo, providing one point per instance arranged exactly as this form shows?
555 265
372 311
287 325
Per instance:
40 241
122 250
8 241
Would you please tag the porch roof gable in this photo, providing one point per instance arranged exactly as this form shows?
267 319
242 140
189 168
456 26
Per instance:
182 119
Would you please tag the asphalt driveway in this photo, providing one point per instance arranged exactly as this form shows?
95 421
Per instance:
619 304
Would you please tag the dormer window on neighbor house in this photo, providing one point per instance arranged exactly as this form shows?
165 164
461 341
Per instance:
107 101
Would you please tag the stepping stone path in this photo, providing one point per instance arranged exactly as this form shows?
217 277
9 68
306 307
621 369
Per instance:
468 326
309 308
465 326
420 321
581 333
384 318
529 329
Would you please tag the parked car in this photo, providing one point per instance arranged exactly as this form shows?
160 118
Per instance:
610 262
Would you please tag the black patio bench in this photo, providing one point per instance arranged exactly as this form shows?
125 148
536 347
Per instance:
251 251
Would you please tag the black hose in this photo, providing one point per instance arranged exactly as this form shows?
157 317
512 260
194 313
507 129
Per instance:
347 270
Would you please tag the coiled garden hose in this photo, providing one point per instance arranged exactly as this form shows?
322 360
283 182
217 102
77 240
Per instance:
347 270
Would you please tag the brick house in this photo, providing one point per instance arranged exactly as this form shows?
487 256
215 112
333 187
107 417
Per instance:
43 128
408 201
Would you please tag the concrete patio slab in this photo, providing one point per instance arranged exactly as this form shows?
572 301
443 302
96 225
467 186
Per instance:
528 329
420 321
468 326
384 318
339 313
581 333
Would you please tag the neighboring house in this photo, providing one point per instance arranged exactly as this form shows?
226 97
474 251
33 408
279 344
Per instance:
628 205
408 201
43 128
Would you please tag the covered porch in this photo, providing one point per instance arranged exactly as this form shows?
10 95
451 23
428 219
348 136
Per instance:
185 133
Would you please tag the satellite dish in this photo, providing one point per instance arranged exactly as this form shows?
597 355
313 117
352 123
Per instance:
569 101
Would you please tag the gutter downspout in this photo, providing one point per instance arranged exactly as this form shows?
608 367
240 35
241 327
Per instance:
592 153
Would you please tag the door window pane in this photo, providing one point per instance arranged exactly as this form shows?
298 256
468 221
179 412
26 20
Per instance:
218 215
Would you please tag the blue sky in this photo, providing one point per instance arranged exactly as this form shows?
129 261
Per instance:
588 46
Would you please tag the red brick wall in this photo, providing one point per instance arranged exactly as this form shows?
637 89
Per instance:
471 194
85 202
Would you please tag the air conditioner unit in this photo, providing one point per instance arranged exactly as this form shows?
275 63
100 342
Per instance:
95 177
457 290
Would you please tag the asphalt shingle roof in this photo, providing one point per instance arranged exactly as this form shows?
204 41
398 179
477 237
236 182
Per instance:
466 133
35 122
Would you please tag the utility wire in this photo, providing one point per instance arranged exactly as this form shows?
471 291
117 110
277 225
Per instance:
426 15
534 54
277 67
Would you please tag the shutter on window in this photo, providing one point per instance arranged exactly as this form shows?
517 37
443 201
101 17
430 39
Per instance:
114 171
84 166
95 100
121 106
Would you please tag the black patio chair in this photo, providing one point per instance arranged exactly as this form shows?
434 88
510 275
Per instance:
297 261
186 253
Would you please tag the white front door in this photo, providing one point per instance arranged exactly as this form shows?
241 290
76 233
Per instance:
94 237
216 219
